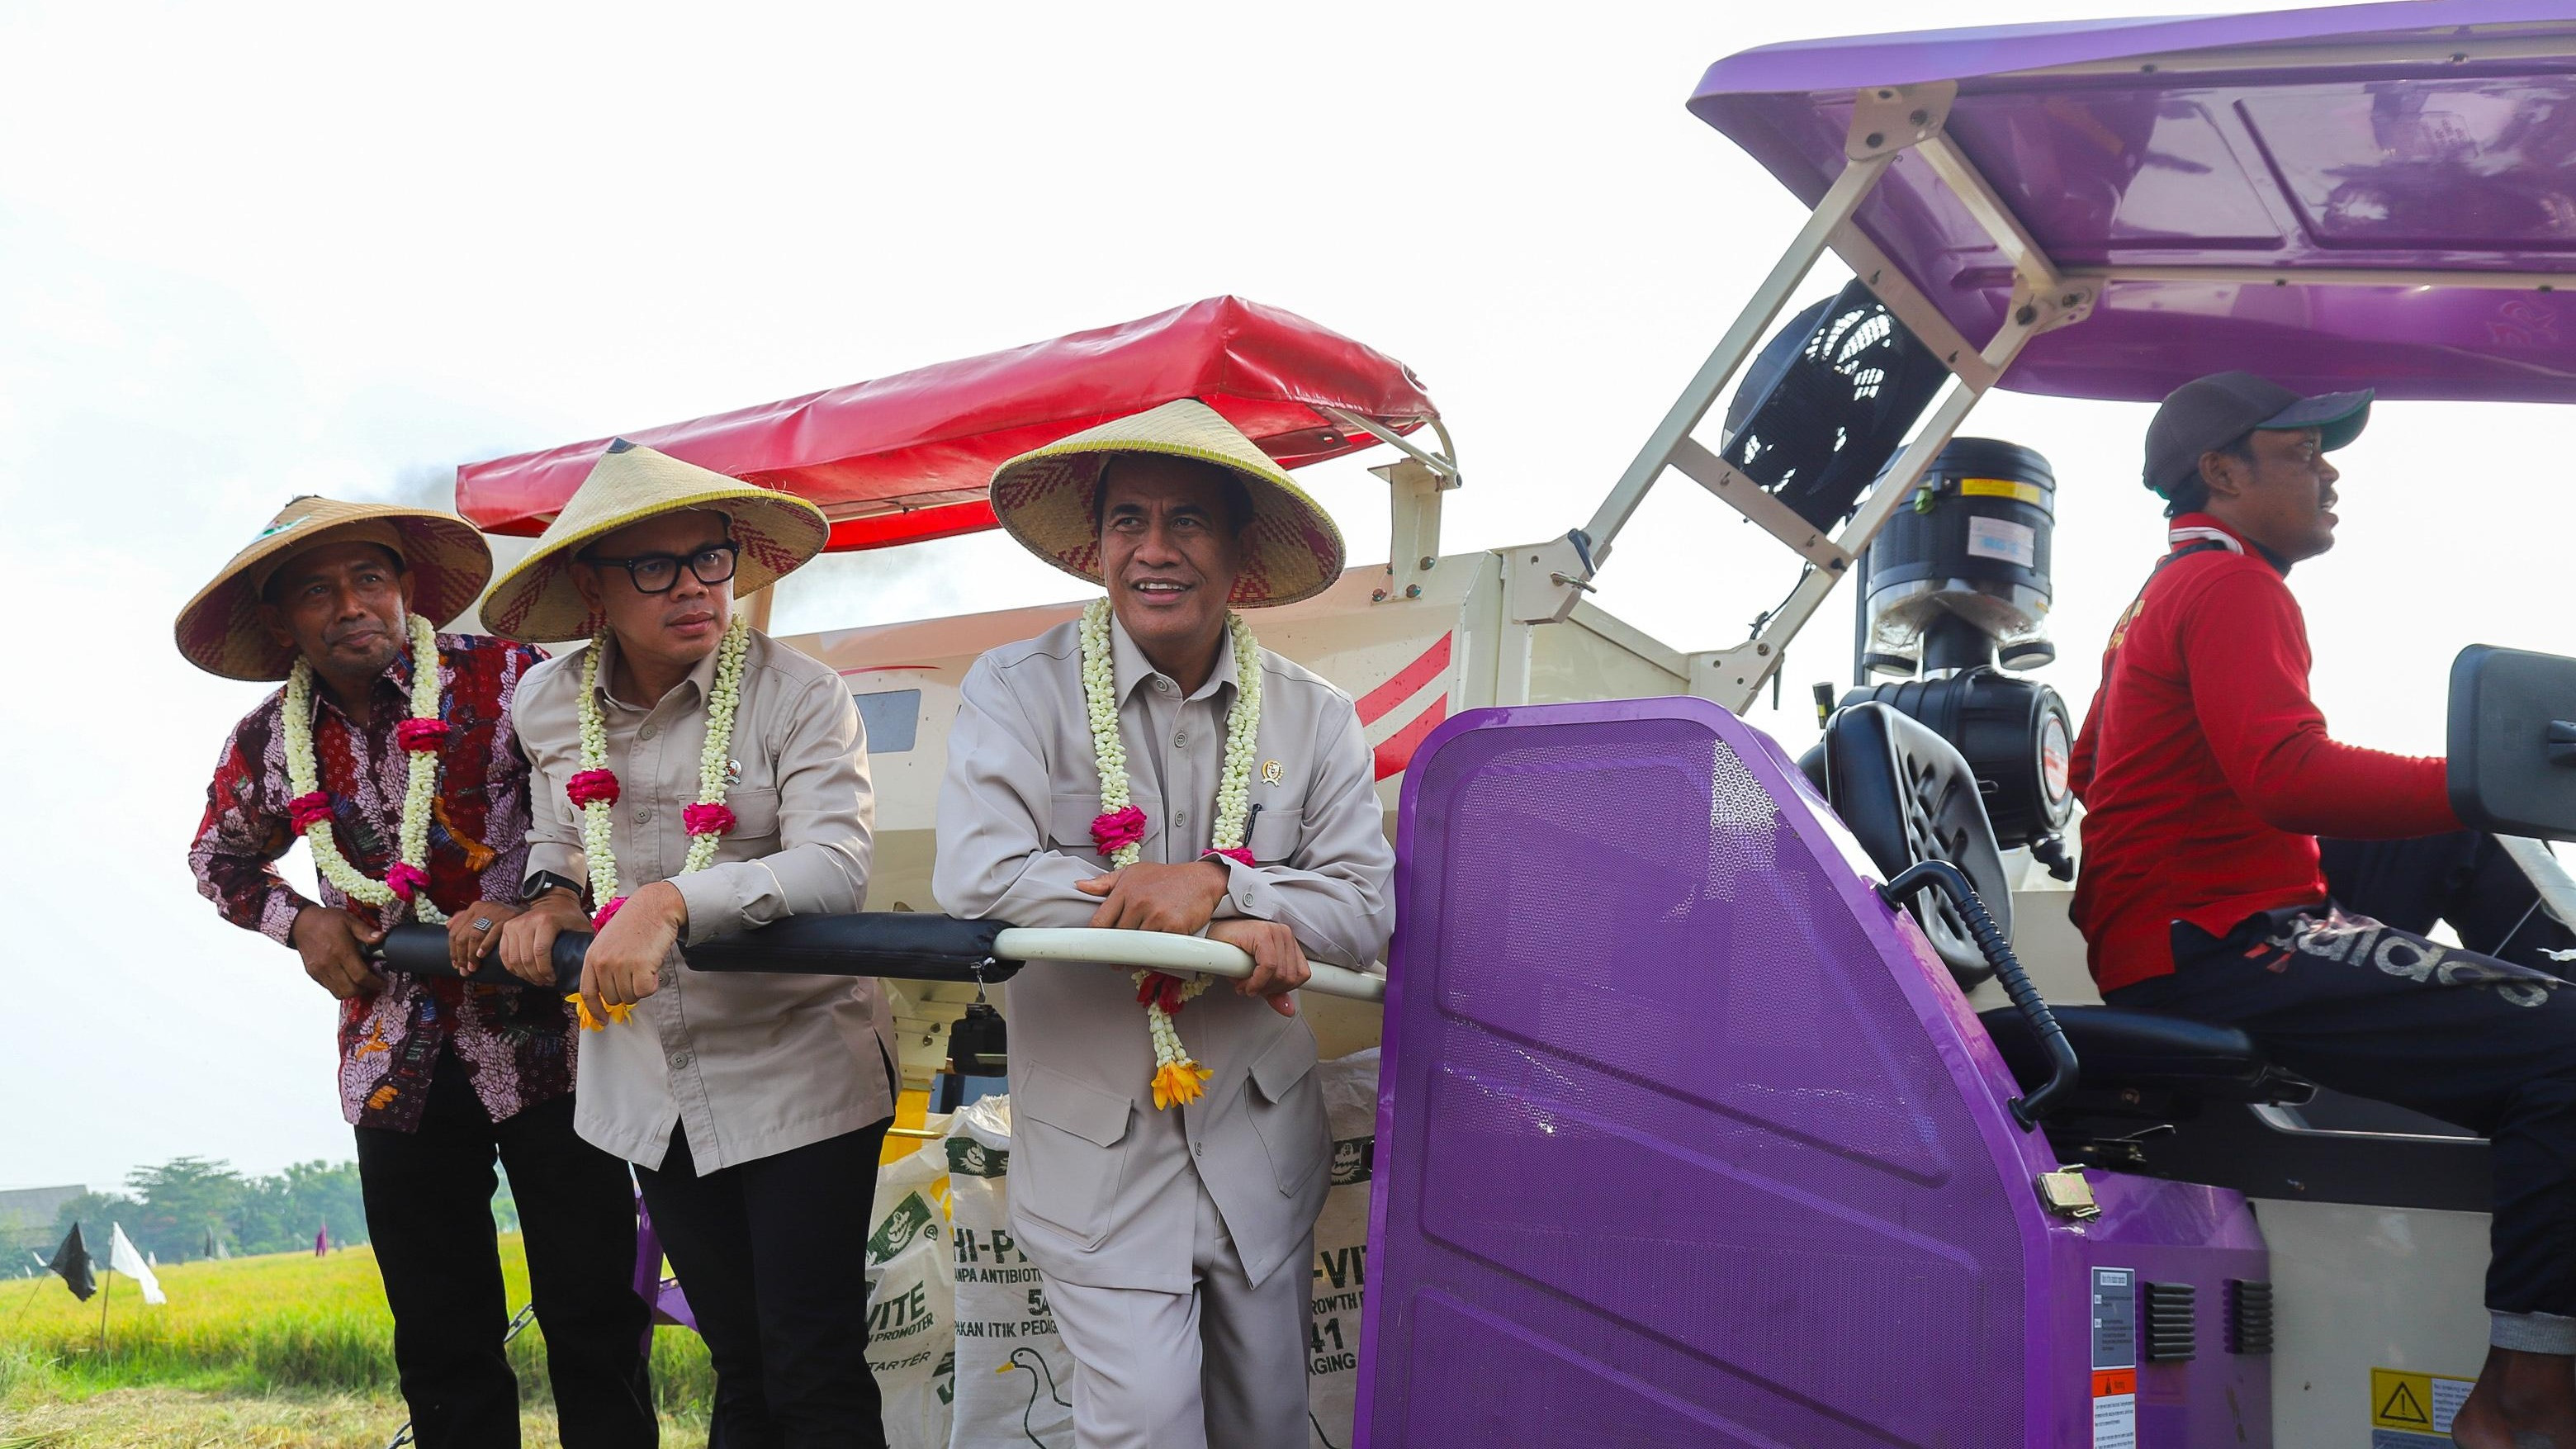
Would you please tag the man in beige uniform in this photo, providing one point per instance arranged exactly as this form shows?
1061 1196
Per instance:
754 1106
1175 1243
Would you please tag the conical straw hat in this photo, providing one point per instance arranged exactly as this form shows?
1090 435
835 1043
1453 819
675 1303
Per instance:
1292 550
220 630
537 600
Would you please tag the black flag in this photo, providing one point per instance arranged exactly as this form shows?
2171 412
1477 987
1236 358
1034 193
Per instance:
71 1260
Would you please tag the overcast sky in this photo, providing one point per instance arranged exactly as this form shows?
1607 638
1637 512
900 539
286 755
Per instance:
247 252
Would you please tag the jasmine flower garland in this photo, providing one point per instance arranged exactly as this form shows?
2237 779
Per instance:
310 811
594 789
1119 830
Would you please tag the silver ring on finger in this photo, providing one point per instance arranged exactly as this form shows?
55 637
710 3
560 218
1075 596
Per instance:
482 923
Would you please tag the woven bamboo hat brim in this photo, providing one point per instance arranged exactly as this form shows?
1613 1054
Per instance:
220 630
1292 550
537 601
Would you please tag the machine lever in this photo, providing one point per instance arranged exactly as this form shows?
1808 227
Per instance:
2063 1072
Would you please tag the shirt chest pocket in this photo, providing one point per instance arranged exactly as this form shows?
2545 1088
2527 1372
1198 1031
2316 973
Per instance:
755 813
1275 833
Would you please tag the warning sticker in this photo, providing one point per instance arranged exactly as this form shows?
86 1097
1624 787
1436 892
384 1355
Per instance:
2115 1318
2416 1405
1998 538
2115 1358
1999 488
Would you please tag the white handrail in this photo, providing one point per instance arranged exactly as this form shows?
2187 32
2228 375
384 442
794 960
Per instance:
1159 951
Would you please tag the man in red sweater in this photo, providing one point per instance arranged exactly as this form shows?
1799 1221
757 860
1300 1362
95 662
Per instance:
2207 777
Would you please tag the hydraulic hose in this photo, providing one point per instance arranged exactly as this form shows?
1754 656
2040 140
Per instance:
2064 1072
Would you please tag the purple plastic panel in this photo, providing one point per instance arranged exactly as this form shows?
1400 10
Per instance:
2178 1232
1684 1137
2380 164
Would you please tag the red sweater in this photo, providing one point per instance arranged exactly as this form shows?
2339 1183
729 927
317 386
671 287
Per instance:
2206 771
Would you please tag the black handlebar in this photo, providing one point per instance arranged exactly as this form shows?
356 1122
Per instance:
906 945
2063 1071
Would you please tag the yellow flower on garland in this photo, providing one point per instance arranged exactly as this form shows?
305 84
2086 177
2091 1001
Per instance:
616 1012
1179 1082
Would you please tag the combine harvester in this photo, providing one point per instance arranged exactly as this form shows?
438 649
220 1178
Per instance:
1727 1116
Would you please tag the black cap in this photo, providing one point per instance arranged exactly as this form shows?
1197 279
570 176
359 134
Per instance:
2209 413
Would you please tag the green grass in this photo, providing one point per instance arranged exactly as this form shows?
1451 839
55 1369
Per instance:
289 1323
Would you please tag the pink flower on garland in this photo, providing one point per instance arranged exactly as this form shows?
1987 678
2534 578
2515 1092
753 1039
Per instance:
716 819
1235 853
421 734
599 918
1122 826
590 785
406 880
306 811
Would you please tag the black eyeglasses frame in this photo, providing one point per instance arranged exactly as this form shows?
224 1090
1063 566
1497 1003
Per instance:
730 549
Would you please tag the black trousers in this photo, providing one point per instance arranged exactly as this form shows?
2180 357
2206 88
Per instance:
773 1256
429 1210
2352 996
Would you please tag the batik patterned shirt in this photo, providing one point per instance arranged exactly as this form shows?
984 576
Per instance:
516 1045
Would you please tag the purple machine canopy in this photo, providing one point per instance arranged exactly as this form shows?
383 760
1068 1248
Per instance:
2188 165
2377 196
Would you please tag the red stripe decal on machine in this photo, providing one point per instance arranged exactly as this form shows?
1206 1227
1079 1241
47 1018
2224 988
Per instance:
1407 683
1397 751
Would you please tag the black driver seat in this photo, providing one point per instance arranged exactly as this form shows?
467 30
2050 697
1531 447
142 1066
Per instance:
1908 796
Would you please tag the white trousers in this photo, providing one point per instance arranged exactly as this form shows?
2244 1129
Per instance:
1223 1365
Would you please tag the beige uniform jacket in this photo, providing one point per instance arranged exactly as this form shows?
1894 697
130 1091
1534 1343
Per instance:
751 1065
1098 1192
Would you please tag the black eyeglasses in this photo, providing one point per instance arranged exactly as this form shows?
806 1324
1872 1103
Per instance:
655 573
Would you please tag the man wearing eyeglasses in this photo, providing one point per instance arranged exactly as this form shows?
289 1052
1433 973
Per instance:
753 1106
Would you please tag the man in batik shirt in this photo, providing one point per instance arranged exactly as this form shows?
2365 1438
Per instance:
438 1075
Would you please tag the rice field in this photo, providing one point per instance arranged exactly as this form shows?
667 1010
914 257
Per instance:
284 1350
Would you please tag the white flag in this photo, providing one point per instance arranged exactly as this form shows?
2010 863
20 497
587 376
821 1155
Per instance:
122 1258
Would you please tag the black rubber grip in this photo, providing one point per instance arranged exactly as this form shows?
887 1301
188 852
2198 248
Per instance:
905 945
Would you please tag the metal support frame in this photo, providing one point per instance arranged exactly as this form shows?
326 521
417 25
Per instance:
1734 677
1413 527
1414 485
1745 496
2458 277
1443 462
1840 201
1545 581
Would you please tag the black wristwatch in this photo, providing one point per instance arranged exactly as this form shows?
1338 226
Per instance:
545 880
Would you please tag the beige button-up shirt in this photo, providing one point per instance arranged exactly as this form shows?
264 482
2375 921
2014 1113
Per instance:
750 1065
1100 1190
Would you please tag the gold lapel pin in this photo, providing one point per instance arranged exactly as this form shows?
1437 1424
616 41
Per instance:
1270 772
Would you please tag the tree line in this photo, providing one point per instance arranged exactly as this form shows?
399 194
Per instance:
190 1207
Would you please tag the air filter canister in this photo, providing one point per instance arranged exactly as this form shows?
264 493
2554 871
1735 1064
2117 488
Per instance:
1972 544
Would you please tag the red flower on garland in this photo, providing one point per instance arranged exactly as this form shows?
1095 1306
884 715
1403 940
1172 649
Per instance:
306 811
1234 853
590 785
716 819
406 880
599 919
1122 826
421 734
1160 989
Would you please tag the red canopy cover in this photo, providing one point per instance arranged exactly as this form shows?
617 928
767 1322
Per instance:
906 458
